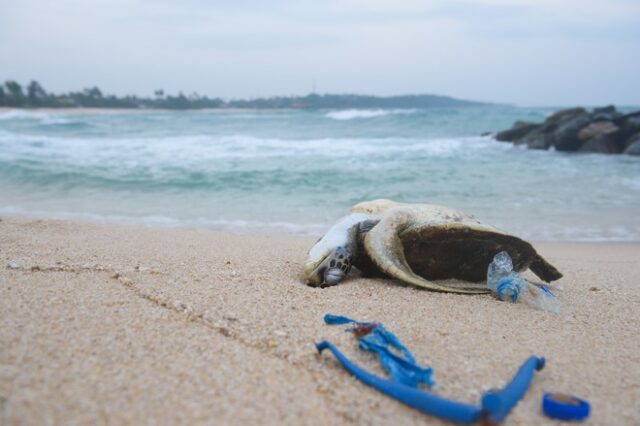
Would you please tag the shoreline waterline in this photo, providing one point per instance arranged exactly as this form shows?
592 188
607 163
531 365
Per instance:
243 229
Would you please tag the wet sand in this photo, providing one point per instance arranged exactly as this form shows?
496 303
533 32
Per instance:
112 324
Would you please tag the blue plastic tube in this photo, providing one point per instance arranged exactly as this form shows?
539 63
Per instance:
332 319
422 401
496 405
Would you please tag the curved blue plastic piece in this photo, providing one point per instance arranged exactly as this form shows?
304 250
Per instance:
498 404
420 400
382 336
401 371
402 368
341 319
577 410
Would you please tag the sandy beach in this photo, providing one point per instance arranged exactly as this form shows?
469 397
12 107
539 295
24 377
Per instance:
111 324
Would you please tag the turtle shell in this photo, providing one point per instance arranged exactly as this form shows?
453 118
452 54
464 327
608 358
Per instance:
461 252
437 243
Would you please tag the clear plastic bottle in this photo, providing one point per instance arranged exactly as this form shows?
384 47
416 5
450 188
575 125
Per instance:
506 284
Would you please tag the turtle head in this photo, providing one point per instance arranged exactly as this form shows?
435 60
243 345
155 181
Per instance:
328 269
330 259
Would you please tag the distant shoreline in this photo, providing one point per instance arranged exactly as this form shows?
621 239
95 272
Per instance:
92 110
98 110
12 94
105 110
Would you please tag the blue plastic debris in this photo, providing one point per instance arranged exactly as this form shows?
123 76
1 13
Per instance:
495 405
506 284
502 280
565 407
498 404
546 300
420 400
373 337
340 319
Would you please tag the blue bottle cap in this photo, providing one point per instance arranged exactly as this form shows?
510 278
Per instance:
565 407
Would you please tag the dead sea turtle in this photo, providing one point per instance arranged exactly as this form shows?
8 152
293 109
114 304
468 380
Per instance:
416 243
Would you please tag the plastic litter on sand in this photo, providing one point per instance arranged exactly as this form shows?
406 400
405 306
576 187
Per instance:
565 407
506 284
407 376
373 337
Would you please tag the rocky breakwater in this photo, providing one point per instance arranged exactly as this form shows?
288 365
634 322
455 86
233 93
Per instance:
603 130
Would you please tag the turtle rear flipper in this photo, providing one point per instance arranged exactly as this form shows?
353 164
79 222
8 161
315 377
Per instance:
544 269
384 247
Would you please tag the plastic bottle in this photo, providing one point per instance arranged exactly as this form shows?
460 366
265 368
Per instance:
506 284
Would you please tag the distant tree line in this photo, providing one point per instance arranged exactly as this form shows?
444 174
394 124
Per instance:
34 95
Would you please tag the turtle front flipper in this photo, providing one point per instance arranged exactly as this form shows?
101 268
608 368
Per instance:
384 247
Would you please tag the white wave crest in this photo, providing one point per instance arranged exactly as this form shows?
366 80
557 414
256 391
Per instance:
57 120
20 114
350 114
42 117
191 150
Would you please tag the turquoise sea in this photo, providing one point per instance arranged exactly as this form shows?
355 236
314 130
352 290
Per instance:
299 171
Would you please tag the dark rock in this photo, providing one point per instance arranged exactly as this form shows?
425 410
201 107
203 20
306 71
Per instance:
607 113
486 134
597 128
604 130
521 123
633 139
539 141
633 149
604 144
519 129
565 114
539 138
607 109
631 125
565 137
614 117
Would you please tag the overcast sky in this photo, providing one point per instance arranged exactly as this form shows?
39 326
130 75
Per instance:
528 52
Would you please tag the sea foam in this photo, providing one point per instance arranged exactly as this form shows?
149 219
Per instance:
20 114
350 114
38 116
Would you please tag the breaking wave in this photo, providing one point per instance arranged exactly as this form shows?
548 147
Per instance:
19 114
350 114
37 116
197 148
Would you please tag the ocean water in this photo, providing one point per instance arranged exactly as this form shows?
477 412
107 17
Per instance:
299 171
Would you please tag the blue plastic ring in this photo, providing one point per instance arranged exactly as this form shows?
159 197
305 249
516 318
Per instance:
565 407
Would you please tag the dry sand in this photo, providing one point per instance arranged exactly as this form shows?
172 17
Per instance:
203 327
